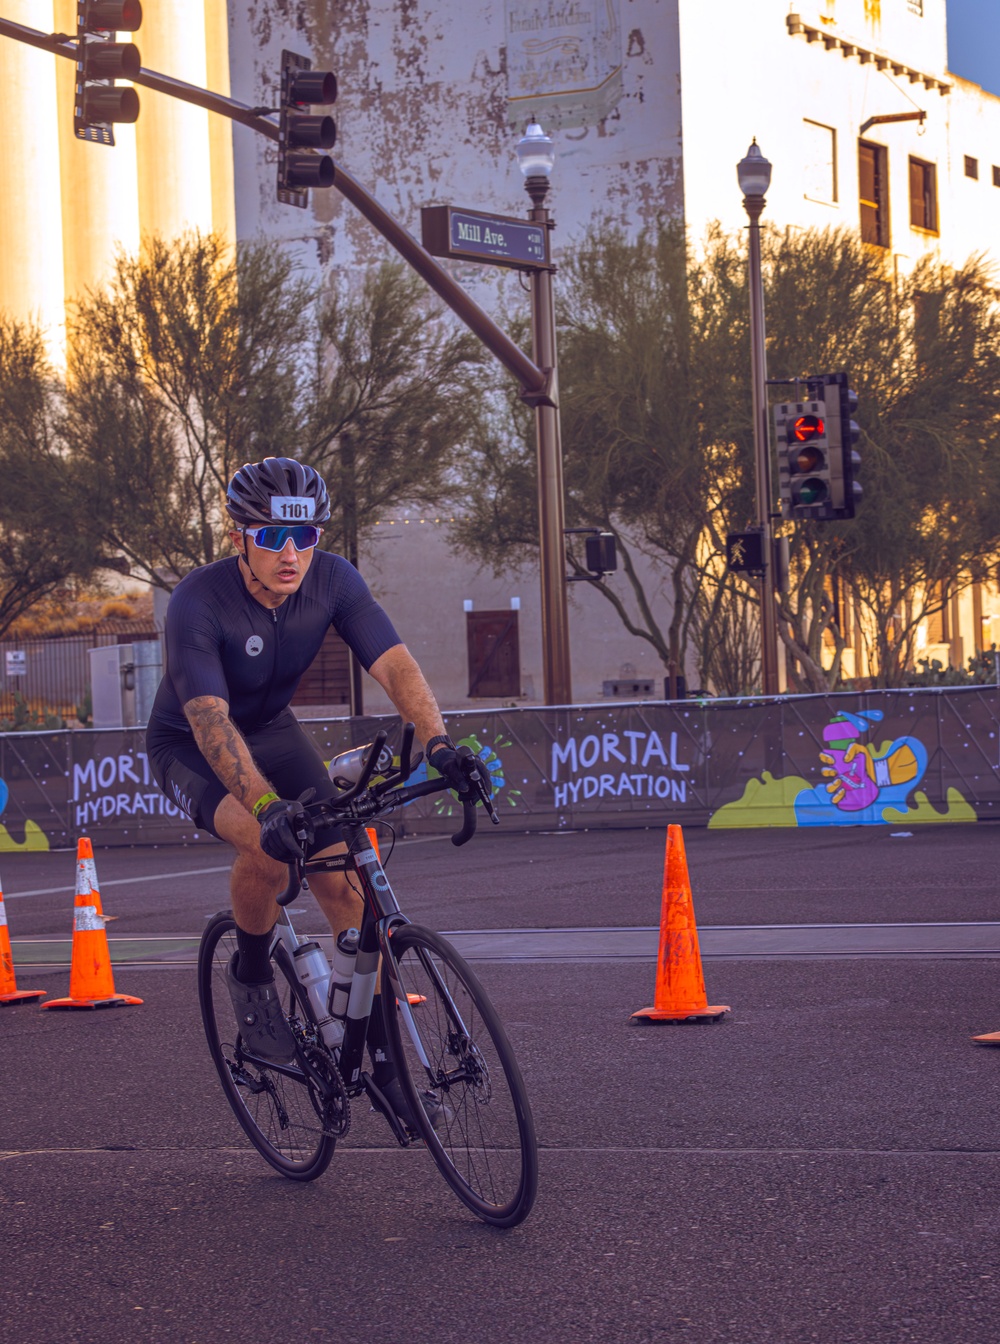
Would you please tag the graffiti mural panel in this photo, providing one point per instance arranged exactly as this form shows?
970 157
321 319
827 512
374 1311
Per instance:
893 758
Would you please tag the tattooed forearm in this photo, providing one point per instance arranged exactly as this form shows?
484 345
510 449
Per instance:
222 745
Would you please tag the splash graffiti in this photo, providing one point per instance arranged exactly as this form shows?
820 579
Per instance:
35 840
864 784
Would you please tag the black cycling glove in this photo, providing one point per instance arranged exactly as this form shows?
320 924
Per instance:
458 765
281 823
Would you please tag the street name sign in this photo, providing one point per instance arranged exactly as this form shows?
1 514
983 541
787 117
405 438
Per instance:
472 235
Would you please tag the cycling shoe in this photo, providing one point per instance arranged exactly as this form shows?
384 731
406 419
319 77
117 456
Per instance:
260 1018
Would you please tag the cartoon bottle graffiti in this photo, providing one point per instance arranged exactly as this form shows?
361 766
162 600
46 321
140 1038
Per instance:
858 772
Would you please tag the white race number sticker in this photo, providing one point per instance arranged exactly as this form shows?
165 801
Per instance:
293 508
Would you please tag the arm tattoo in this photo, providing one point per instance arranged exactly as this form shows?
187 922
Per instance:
224 748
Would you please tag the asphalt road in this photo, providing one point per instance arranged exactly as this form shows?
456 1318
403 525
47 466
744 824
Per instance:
823 1165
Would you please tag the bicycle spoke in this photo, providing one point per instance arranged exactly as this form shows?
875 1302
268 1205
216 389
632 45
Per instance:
282 1115
484 1140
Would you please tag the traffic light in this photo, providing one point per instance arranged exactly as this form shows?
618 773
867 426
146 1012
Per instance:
804 458
602 554
301 132
849 435
98 103
817 460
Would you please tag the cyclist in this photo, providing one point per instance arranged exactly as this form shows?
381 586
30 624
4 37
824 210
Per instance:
225 746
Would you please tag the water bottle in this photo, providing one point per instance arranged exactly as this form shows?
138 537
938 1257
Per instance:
345 769
344 959
313 970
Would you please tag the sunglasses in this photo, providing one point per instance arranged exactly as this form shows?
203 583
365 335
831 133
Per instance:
304 537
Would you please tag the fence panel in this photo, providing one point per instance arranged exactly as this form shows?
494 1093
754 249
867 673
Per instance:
895 757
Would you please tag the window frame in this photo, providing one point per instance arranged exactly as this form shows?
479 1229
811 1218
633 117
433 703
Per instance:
930 169
971 167
835 168
880 205
497 675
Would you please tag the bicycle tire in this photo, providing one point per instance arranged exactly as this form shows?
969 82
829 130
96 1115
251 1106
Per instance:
484 1144
278 1113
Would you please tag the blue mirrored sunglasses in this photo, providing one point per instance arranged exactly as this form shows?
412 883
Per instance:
304 537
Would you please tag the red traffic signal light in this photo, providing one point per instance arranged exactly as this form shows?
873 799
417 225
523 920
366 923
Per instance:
98 103
806 427
817 461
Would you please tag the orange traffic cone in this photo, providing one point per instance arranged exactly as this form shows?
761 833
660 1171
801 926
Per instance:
680 984
9 992
91 984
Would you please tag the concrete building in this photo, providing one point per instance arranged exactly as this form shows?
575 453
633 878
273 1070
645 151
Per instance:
652 103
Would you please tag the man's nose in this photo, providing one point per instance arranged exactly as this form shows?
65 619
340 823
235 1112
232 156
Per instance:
288 551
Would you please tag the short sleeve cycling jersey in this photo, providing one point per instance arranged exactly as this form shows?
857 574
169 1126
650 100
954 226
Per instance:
220 641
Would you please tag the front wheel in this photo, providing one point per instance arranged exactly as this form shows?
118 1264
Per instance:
281 1110
460 1076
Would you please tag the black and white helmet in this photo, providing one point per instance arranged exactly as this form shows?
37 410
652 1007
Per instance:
277 490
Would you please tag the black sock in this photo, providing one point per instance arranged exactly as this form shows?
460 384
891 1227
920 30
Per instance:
253 965
383 1069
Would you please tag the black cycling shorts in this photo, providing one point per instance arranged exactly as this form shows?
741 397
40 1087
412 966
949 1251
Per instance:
283 751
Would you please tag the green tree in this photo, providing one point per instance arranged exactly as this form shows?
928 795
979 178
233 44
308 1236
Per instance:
394 400
44 538
654 449
194 360
188 363
654 364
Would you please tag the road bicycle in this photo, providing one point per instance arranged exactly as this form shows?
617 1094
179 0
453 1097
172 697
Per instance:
456 1066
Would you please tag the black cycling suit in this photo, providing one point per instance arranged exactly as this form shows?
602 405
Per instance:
220 641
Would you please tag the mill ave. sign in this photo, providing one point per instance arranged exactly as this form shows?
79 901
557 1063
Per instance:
471 235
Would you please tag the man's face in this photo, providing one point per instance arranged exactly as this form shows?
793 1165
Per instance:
280 571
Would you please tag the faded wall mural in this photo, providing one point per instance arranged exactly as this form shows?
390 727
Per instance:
564 61
911 757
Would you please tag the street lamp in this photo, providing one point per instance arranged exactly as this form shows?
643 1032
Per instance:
754 173
536 159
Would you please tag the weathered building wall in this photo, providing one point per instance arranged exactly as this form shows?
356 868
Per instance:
434 98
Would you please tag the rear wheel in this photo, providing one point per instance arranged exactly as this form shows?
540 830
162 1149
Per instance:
460 1077
283 1113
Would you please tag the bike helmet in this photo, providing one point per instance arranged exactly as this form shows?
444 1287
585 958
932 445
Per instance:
279 489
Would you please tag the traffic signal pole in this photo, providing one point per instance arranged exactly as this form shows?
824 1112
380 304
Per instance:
770 685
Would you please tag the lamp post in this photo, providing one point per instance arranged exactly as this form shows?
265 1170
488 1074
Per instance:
754 173
536 159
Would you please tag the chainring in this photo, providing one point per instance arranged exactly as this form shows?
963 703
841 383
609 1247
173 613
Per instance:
330 1101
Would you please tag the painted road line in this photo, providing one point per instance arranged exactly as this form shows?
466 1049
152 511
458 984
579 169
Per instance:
740 941
120 882
189 872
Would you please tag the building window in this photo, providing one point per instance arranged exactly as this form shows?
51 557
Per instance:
923 195
916 7
996 176
494 654
971 167
820 162
873 181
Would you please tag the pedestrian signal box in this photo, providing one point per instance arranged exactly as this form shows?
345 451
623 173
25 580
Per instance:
745 552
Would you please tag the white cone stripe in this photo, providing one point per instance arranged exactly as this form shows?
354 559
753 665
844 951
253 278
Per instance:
87 920
3 915
83 887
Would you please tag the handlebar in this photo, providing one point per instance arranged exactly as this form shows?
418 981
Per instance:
361 803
